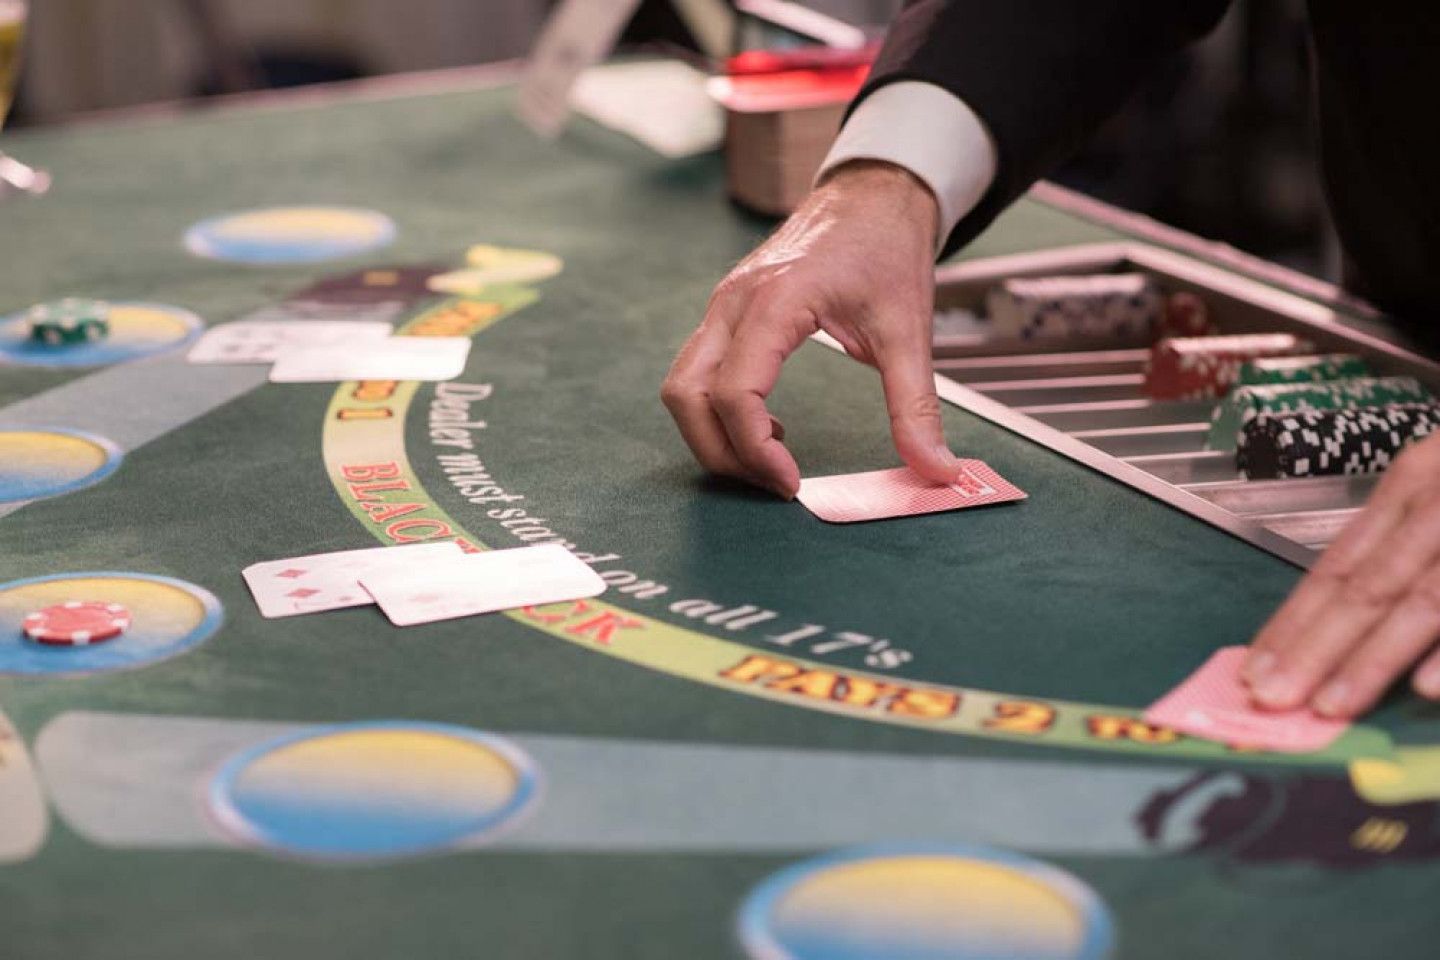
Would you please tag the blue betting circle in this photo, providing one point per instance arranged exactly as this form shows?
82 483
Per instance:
113 456
17 347
365 844
24 657
754 921
203 239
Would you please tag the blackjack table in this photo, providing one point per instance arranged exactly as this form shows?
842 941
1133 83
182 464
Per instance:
770 737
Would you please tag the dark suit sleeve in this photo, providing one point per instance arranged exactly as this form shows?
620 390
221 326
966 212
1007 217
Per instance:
1041 74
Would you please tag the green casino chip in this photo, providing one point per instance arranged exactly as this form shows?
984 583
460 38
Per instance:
1330 366
72 320
1245 403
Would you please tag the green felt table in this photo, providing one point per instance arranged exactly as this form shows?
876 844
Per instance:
723 700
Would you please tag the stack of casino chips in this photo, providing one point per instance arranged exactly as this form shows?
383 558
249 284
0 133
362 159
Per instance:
1247 402
1330 442
956 322
1328 366
1303 416
1205 368
1096 305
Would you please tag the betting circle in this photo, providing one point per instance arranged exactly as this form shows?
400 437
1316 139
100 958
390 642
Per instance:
135 330
40 463
279 235
373 790
147 618
925 902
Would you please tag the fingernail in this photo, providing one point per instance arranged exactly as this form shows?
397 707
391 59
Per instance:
947 455
1277 690
1333 700
1259 665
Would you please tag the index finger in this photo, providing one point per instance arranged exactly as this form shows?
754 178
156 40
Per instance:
915 424
686 393
765 337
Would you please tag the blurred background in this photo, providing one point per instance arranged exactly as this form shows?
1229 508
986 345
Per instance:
1220 143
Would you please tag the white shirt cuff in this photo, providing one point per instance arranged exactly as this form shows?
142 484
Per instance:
928 131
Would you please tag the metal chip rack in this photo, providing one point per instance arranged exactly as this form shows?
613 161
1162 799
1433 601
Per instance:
1083 398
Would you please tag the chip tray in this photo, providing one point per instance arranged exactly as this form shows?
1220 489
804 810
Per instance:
1081 397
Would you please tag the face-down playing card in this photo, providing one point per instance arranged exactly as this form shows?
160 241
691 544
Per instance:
880 494
331 581
1214 704
483 583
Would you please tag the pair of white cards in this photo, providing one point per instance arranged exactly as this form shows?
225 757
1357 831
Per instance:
330 351
422 583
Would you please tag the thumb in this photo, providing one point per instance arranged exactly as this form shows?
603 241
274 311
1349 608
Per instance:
915 424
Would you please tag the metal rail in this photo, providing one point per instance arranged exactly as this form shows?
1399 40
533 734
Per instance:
1082 397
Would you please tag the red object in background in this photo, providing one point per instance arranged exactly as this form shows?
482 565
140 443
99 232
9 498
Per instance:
1205 368
787 90
800 58
762 81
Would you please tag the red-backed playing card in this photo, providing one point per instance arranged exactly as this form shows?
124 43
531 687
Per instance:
1214 703
879 494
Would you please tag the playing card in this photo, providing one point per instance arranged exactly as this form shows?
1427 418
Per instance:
1214 704
394 358
878 494
661 103
331 581
262 341
482 583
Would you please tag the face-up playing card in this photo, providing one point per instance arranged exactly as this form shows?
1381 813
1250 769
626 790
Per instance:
262 341
878 494
394 358
331 581
482 583
1214 704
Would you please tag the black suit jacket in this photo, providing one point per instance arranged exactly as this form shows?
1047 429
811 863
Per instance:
1043 74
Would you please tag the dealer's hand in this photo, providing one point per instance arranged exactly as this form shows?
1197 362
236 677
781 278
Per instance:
1370 608
855 260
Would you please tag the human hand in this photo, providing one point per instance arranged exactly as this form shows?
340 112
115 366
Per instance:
855 260
1370 608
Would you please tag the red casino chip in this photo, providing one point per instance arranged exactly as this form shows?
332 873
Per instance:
1186 316
76 623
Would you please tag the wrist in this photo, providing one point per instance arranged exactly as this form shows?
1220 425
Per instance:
903 194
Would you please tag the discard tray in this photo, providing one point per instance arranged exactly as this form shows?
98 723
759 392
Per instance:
1083 399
